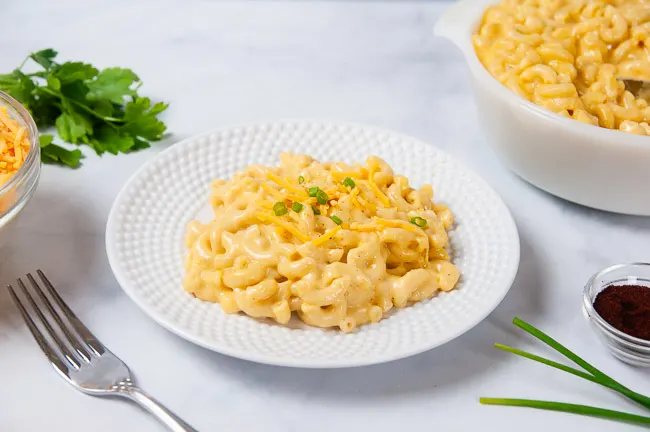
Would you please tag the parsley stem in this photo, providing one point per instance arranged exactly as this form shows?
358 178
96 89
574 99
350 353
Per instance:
80 105
24 61
568 408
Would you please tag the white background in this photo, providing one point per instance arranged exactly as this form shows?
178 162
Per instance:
219 63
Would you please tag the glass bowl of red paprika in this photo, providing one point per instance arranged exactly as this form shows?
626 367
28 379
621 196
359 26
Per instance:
617 305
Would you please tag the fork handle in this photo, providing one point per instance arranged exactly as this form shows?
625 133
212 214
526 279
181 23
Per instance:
166 417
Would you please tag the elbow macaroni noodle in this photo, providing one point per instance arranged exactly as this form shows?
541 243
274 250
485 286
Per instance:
566 55
343 257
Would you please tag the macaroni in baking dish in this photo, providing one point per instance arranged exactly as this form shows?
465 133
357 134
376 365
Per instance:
339 244
566 55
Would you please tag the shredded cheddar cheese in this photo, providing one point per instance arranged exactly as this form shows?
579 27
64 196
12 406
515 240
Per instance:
378 224
285 184
364 196
332 193
365 227
326 236
267 204
366 201
375 189
285 225
293 215
14 145
301 199
380 195
340 175
353 200
398 224
273 192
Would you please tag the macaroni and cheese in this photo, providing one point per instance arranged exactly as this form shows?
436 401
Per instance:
339 244
14 146
566 56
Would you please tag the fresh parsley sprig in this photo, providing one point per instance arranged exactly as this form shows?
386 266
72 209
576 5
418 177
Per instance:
589 373
100 109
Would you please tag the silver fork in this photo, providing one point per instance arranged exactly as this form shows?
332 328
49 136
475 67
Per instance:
79 357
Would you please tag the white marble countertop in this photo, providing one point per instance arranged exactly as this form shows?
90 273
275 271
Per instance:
219 63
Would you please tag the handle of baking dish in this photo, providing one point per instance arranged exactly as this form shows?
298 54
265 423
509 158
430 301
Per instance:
457 22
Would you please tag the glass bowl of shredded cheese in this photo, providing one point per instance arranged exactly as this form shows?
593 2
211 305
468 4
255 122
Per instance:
20 161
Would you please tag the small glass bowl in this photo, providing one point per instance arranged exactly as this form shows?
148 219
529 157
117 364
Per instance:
629 349
17 191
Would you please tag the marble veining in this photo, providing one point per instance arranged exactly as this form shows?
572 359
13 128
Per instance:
219 63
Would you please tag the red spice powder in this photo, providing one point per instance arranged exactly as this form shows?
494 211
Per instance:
626 308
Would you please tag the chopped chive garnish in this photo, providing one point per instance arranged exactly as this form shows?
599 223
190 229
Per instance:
322 197
315 210
337 220
418 221
301 180
349 182
313 191
279 208
297 207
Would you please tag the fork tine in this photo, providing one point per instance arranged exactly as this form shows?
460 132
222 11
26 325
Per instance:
55 337
79 327
66 331
40 339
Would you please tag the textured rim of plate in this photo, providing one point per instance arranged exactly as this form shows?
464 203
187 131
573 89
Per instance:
162 320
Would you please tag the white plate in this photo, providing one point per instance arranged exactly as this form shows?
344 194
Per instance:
146 230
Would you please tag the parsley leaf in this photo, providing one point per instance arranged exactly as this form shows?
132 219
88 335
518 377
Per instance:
73 127
97 108
45 110
75 71
44 57
53 82
9 80
45 140
112 85
113 141
19 86
140 144
52 153
141 119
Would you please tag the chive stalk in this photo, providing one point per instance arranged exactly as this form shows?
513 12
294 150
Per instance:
569 408
609 383
590 373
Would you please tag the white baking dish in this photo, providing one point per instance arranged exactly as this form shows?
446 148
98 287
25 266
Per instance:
597 167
